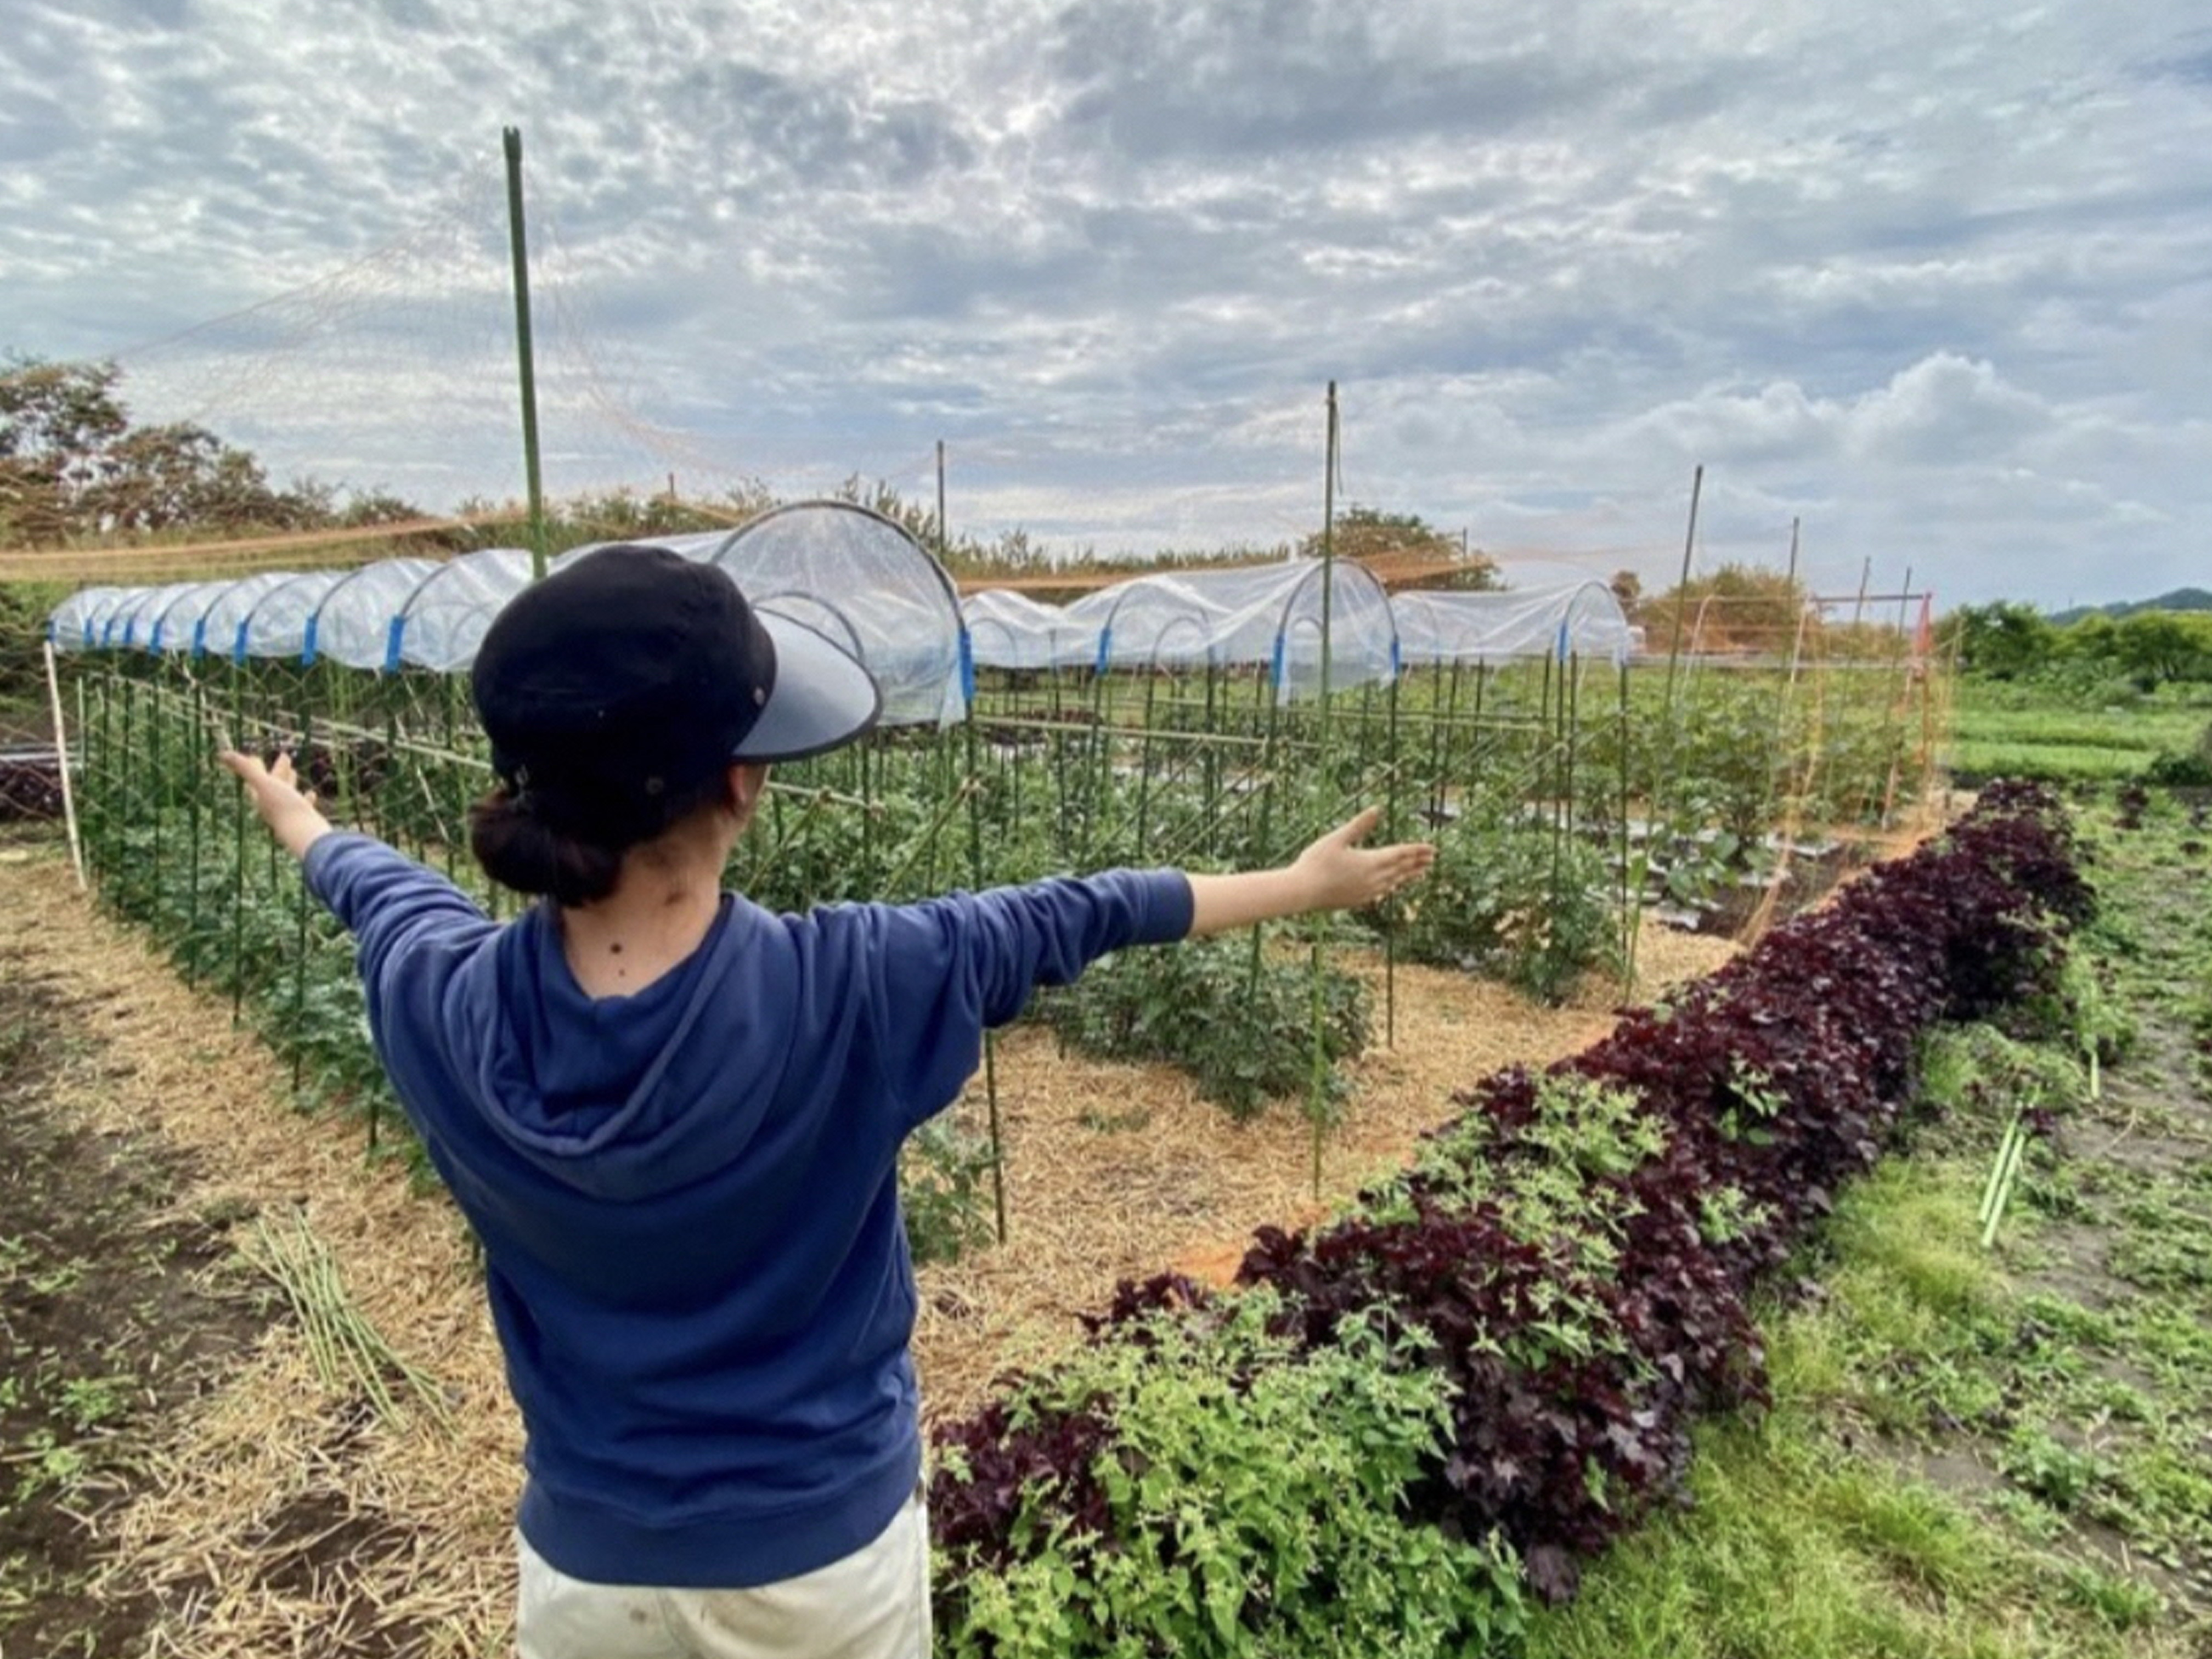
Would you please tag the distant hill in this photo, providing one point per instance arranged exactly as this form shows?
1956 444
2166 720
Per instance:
2182 599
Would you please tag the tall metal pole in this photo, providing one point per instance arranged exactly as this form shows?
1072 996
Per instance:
519 244
1682 591
1327 561
1317 1106
1794 522
944 542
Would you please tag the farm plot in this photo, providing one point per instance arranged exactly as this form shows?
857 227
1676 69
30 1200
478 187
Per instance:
412 1512
1570 800
1501 1352
1986 1450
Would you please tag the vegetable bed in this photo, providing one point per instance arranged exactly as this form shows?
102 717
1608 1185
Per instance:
1414 1419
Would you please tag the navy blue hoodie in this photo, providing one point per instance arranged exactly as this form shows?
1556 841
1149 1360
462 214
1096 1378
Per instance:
688 1198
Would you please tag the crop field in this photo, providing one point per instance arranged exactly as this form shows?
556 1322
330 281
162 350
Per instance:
2007 731
1442 1278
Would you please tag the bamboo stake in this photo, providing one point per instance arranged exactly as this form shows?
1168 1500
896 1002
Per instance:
2003 1177
1997 1170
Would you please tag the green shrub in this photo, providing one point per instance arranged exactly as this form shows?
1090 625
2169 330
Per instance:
1252 1507
2188 770
1534 908
945 1191
1243 1028
23 610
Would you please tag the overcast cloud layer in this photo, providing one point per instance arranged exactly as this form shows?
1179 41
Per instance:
1936 278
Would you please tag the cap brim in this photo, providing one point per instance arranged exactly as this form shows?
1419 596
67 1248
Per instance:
823 697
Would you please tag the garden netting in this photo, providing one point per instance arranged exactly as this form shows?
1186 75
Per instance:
1272 617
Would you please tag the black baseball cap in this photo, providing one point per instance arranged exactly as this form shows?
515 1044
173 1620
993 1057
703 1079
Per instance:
635 673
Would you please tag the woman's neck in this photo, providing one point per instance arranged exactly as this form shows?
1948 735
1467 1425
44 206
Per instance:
658 914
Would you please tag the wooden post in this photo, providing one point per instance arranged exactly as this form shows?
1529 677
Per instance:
1682 591
62 764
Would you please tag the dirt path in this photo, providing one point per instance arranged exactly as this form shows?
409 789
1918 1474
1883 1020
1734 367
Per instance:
176 1477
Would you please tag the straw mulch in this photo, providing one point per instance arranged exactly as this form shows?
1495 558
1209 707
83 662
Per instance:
286 1519
1116 1171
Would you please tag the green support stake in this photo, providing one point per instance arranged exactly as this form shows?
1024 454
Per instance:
300 934
237 903
1145 769
124 773
192 817
990 1038
518 248
1632 880
1393 830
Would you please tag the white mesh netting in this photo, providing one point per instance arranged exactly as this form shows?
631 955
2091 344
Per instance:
1268 615
442 622
1578 619
353 621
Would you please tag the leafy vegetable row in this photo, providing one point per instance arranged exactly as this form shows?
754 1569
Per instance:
1489 1368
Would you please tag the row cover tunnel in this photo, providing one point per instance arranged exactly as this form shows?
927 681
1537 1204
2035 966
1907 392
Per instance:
863 580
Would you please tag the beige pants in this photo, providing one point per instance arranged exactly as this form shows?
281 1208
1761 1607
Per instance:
875 1604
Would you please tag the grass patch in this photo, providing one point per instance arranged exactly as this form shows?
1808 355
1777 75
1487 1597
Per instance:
1794 1548
1813 1536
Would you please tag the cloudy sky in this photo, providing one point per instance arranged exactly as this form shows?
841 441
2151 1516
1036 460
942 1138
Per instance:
1935 277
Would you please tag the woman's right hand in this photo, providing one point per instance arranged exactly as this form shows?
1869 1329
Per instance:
1342 874
1336 872
289 811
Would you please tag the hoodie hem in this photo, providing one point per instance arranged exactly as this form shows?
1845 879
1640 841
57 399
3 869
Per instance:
588 1542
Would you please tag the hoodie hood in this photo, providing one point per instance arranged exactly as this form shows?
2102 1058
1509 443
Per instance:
617 1096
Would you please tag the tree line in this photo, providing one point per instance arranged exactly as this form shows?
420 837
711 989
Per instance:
2006 640
75 466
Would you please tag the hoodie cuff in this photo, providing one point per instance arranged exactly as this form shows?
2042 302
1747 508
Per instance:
1164 906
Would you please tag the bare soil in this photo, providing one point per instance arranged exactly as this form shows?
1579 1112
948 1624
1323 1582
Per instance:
117 1313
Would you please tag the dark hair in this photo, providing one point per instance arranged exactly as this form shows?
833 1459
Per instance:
526 841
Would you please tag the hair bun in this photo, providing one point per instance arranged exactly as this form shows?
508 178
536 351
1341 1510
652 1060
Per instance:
518 850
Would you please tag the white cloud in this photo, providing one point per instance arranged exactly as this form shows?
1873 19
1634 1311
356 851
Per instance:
1931 277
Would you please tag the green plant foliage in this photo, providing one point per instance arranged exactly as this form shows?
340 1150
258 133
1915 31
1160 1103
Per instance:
1239 1021
1532 905
1553 1191
2005 639
2189 768
23 610
1252 1502
945 1191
